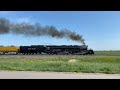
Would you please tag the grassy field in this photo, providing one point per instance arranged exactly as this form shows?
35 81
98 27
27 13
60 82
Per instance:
108 53
86 64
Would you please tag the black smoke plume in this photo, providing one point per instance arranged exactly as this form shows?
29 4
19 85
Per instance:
28 29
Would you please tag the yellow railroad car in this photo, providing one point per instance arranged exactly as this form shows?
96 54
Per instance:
8 49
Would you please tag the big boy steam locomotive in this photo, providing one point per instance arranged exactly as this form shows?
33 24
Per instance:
47 49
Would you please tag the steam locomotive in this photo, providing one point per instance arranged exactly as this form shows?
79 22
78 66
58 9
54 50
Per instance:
48 49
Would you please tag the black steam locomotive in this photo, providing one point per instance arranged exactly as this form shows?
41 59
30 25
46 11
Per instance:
57 50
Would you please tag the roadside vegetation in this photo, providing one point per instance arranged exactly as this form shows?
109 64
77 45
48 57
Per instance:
85 64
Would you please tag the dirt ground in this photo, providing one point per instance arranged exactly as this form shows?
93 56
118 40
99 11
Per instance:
49 56
54 75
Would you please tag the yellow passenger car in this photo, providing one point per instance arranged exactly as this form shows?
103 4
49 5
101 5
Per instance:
8 49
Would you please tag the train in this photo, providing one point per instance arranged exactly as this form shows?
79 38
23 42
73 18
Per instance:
47 49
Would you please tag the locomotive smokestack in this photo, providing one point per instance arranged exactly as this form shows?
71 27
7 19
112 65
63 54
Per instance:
28 29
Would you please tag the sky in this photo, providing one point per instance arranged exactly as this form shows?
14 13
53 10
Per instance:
100 29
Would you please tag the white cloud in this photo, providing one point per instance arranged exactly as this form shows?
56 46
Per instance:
6 12
24 19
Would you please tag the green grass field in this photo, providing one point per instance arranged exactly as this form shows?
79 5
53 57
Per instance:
108 53
86 64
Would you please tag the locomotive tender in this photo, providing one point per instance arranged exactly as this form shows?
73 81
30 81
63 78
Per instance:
48 49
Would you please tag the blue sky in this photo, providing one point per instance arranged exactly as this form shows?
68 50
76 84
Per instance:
100 29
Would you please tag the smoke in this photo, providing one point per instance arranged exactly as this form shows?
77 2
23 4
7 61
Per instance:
28 29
